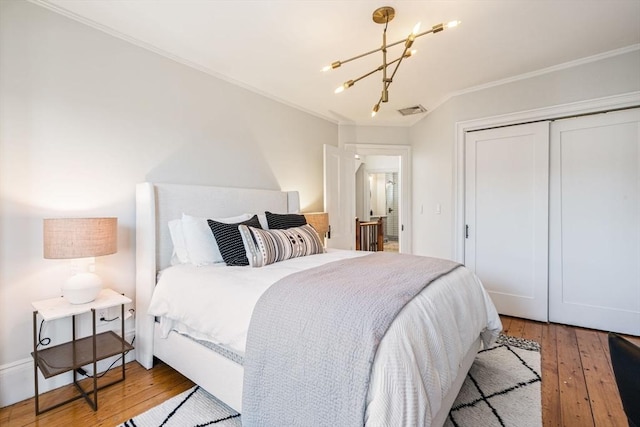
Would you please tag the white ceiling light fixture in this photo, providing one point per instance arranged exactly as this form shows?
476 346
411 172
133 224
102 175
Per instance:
384 15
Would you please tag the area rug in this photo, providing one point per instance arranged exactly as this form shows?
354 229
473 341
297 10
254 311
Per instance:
501 389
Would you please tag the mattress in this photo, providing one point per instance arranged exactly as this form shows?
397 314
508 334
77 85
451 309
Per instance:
416 362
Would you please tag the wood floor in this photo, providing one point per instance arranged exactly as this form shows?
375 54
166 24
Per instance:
578 387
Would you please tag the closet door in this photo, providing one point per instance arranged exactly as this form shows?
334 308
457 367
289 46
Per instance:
594 253
506 213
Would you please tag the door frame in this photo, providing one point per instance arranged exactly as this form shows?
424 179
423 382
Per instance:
404 175
627 100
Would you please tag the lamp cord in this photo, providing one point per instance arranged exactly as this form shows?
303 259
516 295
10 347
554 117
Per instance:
86 374
42 341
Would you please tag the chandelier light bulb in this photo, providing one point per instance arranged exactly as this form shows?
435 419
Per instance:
333 65
375 110
346 85
453 24
416 29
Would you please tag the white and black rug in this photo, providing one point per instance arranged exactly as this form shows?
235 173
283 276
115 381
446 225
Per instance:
501 389
192 408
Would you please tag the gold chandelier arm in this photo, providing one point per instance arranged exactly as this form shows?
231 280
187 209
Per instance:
404 55
368 74
386 82
385 95
408 42
434 29
339 63
352 82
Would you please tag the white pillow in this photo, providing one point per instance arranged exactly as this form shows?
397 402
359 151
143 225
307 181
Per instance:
180 254
263 221
201 245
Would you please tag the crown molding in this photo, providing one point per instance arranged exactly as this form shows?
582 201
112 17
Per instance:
147 46
336 120
537 73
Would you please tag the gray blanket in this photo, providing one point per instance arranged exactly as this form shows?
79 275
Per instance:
314 334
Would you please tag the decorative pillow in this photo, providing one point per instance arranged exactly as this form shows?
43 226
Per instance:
284 221
202 248
230 241
263 221
180 254
268 246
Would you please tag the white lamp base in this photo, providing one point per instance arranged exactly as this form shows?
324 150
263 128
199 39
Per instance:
82 288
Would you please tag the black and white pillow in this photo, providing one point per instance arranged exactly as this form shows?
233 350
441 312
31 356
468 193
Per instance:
265 247
230 241
284 221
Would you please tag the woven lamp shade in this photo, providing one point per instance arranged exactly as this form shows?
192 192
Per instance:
319 221
80 237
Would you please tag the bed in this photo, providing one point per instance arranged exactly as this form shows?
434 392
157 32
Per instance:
468 320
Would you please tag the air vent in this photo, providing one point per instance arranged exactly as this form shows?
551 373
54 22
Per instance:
417 109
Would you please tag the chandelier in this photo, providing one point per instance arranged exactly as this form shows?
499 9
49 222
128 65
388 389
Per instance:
384 15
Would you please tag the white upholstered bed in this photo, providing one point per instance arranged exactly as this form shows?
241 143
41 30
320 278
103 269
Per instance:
156 204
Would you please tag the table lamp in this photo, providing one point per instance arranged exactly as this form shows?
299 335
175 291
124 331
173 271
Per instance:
68 238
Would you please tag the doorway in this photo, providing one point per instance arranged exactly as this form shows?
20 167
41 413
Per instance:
343 175
386 159
378 196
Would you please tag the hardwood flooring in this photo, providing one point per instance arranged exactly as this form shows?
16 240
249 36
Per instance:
141 390
578 387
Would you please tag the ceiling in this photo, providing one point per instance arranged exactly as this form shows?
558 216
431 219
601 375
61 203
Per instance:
277 48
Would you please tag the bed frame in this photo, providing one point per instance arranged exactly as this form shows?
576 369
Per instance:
156 204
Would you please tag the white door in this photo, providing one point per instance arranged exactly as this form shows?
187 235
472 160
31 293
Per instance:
506 215
339 196
594 254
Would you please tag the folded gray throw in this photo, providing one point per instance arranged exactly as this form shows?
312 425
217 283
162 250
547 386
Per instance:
314 334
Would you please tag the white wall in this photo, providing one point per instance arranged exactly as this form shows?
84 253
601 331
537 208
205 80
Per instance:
382 163
383 135
84 116
433 138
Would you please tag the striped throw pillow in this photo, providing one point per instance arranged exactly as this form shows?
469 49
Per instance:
265 247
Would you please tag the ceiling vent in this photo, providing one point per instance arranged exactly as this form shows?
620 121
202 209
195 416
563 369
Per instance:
416 109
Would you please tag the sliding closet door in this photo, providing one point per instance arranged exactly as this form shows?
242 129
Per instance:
506 212
594 253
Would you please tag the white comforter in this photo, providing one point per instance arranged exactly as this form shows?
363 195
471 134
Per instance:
415 364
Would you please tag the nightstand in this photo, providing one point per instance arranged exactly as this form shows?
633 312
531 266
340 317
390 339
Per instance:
78 352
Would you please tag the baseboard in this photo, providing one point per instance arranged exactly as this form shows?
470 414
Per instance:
17 382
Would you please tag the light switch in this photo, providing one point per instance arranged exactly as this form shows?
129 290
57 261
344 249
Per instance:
438 208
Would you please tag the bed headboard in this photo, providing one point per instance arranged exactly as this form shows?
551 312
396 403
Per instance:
156 204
